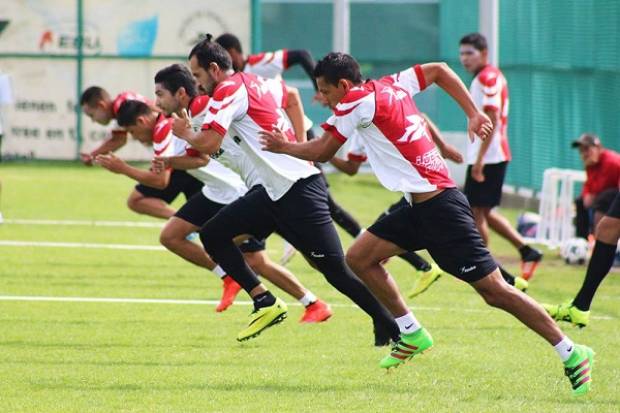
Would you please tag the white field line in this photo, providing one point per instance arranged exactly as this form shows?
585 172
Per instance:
109 300
9 243
131 224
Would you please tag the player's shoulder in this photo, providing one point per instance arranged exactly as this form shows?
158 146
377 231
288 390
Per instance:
264 57
355 98
229 86
489 76
198 104
125 96
162 129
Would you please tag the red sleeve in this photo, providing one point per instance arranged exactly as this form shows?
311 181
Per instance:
285 58
162 129
356 158
420 75
332 129
192 152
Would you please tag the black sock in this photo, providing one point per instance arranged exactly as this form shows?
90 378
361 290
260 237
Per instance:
264 300
343 218
524 250
600 263
510 279
416 261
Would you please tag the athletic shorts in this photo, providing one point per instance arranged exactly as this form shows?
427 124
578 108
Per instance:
180 182
614 209
443 225
602 202
199 209
487 194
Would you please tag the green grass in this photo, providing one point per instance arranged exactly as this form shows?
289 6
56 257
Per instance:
104 357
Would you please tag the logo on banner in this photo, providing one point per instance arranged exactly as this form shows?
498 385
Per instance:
195 26
138 37
63 38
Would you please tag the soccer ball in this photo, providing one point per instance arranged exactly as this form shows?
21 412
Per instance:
574 251
527 224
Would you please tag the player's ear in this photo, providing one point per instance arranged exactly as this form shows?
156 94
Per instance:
344 84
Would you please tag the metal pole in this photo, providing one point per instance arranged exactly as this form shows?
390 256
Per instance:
80 61
341 26
488 25
255 29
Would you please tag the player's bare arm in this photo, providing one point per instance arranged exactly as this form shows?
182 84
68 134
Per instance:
321 149
184 162
205 141
447 151
150 178
295 111
348 166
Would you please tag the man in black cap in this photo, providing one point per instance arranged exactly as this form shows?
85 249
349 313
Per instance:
601 186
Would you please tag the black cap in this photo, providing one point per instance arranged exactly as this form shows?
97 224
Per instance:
586 139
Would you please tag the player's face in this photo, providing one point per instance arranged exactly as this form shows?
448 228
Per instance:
472 59
97 113
332 93
165 100
202 76
141 131
590 154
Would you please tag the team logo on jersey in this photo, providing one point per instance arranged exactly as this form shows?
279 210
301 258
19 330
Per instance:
431 161
416 130
394 94
237 140
217 154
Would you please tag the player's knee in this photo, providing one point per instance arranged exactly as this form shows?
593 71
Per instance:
133 203
167 238
608 230
255 261
356 259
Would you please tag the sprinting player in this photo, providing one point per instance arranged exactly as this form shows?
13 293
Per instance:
176 92
290 198
271 65
489 159
577 311
405 159
145 199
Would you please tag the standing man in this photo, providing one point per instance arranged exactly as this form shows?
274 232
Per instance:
489 159
289 197
405 159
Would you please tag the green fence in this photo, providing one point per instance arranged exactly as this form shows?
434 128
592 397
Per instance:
561 60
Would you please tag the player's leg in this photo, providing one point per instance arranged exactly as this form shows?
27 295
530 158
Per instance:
249 214
303 219
141 203
343 218
254 253
480 217
601 261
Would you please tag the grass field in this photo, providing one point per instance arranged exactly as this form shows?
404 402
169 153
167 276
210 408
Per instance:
165 357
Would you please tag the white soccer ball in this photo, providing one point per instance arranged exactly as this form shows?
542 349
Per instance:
574 251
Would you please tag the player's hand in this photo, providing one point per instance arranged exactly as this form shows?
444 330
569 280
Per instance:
159 164
479 124
86 159
320 99
111 162
181 126
273 141
476 172
450 152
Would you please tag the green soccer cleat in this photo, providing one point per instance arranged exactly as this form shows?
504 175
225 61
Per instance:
568 312
262 319
578 369
408 346
426 279
521 284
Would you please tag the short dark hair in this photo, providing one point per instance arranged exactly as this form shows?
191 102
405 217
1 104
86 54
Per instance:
208 52
336 66
130 110
475 39
229 41
177 76
92 95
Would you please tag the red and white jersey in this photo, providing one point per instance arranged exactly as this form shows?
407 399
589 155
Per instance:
221 185
242 106
394 134
489 90
356 151
116 105
269 65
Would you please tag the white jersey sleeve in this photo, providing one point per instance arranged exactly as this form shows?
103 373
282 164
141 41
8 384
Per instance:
411 80
229 103
355 111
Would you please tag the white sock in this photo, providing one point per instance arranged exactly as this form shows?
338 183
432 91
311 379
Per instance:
564 348
408 324
219 271
307 299
360 233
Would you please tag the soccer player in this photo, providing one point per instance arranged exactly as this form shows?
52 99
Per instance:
289 198
271 65
405 159
489 159
577 312
176 92
145 199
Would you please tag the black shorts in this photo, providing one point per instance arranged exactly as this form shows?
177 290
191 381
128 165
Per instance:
199 209
443 225
301 217
602 202
614 209
487 194
180 182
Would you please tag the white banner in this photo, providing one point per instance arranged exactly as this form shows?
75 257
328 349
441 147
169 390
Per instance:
40 121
